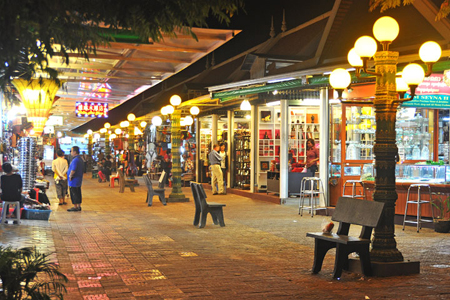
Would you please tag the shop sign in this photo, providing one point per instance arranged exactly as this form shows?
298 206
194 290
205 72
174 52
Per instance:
431 93
94 110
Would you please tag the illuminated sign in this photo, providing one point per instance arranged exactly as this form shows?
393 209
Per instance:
94 110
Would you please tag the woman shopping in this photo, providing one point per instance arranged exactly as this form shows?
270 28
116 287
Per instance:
312 156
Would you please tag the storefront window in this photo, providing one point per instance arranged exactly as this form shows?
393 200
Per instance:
444 124
336 121
415 133
360 132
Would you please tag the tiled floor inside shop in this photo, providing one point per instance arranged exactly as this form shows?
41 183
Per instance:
119 248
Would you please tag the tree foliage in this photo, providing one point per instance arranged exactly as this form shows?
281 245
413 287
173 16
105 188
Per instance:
33 30
443 12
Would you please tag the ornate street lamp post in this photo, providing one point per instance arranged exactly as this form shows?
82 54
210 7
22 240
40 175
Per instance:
388 86
107 126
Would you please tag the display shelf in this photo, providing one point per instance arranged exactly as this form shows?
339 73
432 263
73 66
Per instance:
205 143
304 125
360 133
242 161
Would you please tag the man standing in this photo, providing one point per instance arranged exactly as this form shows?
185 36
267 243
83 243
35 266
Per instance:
60 167
217 175
75 178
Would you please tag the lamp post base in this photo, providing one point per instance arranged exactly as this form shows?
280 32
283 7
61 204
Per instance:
177 198
386 269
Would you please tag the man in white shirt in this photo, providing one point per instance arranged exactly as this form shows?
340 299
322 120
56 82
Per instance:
60 167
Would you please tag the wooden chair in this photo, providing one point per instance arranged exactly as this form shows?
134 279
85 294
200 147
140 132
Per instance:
123 182
348 211
202 208
151 192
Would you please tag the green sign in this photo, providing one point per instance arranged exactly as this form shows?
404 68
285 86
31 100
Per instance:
428 101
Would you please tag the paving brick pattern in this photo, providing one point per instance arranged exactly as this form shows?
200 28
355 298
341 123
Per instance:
119 248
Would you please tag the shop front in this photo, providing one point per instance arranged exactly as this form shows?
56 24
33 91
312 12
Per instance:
422 141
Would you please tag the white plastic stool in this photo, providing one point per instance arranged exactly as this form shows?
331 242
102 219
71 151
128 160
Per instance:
418 202
311 187
5 211
353 186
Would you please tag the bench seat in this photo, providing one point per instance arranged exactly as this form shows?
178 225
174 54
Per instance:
336 238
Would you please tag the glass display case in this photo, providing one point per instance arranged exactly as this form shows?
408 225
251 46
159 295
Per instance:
414 131
360 132
335 130
335 170
352 170
423 173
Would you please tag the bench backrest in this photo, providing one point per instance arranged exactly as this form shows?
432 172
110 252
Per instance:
148 183
195 194
359 212
200 194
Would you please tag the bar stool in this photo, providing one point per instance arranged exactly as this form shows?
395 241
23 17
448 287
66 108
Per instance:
418 202
5 211
353 186
311 187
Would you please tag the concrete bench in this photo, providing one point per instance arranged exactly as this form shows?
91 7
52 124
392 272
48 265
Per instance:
202 208
348 211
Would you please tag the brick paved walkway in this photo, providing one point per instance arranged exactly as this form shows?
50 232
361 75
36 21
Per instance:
118 248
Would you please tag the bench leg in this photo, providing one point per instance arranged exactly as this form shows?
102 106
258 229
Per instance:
364 258
321 248
149 199
197 217
132 187
220 217
162 198
341 260
214 216
203 216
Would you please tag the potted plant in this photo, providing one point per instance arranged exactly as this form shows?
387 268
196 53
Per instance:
27 274
442 217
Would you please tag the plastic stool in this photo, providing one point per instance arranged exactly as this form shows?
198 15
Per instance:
311 187
353 186
112 179
5 211
418 202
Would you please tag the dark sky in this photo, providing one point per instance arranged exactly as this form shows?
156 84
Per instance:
256 19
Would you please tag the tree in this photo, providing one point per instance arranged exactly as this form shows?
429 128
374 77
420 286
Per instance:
443 12
33 30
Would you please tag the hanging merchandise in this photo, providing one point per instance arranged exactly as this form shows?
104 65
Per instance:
27 162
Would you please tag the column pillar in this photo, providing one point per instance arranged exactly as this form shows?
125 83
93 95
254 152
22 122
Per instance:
177 194
284 144
215 119
230 118
253 146
324 150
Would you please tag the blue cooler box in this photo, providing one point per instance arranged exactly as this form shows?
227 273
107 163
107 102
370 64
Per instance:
36 214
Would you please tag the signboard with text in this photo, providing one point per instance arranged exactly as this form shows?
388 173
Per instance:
433 92
94 110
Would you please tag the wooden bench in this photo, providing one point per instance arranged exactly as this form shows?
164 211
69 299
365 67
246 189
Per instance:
123 182
348 211
202 208
151 192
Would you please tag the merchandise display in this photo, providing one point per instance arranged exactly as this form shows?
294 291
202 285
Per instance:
242 154
27 162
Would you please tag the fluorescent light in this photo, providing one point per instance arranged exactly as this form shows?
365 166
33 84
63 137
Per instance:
280 80
274 103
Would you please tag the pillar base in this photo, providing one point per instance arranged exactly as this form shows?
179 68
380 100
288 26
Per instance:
386 269
177 198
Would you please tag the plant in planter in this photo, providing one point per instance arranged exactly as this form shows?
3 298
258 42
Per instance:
28 274
442 218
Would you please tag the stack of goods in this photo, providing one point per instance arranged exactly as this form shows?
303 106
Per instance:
27 162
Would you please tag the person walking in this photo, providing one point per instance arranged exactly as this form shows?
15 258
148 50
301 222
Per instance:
60 167
75 178
312 156
217 176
